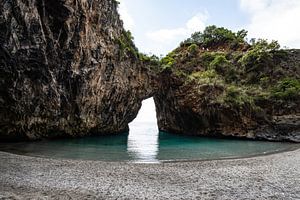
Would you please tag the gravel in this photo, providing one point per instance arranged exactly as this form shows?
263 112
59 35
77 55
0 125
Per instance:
274 176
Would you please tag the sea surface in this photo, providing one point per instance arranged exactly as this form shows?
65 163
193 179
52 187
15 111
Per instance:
144 144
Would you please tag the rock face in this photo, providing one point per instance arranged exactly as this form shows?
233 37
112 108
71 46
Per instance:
67 68
188 110
218 91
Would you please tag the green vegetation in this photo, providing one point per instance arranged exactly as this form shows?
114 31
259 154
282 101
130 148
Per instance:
220 64
249 72
127 45
209 74
128 48
168 61
224 67
258 59
152 59
215 36
237 96
287 89
193 49
259 55
207 57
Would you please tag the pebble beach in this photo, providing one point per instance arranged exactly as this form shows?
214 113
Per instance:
275 176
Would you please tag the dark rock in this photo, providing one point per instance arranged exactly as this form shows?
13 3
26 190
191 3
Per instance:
63 72
192 105
69 69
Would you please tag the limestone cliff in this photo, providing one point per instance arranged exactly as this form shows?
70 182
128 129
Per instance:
218 84
67 68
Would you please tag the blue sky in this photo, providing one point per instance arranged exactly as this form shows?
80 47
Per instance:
159 25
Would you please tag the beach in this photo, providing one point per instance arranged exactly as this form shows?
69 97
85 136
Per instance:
275 176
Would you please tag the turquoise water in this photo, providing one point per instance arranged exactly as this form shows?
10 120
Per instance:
145 145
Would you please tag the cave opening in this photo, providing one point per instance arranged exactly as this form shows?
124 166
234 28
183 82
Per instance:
143 135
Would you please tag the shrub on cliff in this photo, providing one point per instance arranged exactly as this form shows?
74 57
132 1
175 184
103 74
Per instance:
193 48
214 36
220 64
238 96
258 59
168 61
261 53
287 89
205 77
127 44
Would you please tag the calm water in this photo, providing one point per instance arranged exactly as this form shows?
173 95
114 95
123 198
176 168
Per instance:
145 146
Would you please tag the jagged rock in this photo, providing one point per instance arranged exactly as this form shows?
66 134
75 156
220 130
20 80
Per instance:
64 69
207 91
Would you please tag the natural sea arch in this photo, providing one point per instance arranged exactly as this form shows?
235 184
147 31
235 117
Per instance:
145 144
143 135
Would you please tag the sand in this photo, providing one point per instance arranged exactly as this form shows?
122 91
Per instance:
274 176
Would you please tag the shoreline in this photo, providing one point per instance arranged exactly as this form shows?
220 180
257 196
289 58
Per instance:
294 147
274 176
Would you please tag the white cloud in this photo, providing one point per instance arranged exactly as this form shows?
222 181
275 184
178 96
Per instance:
274 19
254 5
126 17
197 23
170 38
167 35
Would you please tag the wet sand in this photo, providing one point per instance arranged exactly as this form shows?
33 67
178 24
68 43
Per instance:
275 176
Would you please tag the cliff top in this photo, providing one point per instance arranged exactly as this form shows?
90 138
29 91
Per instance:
246 72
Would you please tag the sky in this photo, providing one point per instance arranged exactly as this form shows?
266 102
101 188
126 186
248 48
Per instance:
158 26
